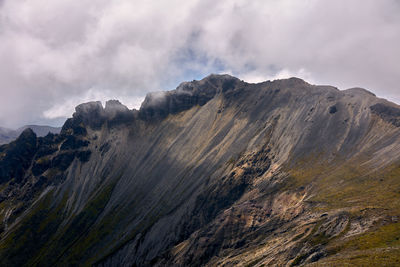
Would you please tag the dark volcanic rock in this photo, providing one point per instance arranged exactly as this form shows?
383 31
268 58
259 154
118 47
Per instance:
332 110
93 115
63 160
73 142
84 156
47 145
89 114
118 114
387 113
18 156
161 104
114 107
40 166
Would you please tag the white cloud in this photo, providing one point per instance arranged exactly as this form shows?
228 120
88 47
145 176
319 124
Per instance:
257 77
67 108
64 52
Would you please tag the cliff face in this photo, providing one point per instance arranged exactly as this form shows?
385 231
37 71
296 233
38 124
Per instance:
218 171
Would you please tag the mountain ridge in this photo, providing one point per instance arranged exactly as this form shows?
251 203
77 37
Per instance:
218 171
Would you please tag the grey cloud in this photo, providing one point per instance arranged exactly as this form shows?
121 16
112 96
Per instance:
57 54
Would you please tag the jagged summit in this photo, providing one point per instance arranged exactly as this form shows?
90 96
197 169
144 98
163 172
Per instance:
28 133
94 108
186 95
85 109
93 114
113 106
158 105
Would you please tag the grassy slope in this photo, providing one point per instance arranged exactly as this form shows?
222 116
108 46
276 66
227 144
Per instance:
39 239
362 193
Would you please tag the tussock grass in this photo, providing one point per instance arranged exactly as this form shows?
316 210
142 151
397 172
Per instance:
366 194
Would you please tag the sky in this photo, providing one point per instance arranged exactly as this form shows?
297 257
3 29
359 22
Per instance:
56 54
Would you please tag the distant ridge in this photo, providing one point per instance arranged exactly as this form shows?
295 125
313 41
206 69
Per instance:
40 130
8 135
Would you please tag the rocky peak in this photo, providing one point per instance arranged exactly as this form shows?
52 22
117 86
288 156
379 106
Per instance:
118 113
28 135
223 81
186 95
88 108
87 114
18 156
114 105
91 113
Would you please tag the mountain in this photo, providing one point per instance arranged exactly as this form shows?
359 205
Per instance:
216 172
8 135
40 130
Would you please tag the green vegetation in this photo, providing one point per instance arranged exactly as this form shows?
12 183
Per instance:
33 233
385 236
40 239
347 184
364 193
81 234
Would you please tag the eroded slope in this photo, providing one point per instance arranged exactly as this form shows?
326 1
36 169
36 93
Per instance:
215 172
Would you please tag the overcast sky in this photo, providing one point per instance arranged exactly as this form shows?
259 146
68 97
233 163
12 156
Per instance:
55 54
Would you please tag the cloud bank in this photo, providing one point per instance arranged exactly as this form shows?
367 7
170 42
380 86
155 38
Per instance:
57 54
